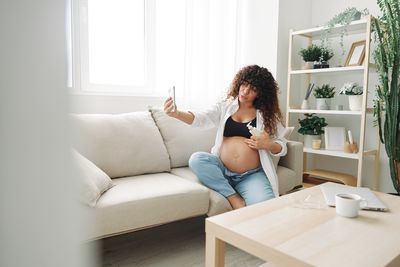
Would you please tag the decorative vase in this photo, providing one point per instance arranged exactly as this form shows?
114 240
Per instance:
308 139
355 102
323 103
304 104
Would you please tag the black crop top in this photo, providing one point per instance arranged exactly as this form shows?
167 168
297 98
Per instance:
234 128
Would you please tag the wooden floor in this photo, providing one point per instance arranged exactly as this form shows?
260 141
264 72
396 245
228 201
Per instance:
178 244
311 181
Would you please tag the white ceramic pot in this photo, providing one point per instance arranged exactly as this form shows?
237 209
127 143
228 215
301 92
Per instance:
304 104
308 139
323 103
355 102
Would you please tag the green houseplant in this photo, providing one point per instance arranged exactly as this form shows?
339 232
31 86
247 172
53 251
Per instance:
326 54
354 92
311 127
311 53
323 94
387 101
344 18
316 56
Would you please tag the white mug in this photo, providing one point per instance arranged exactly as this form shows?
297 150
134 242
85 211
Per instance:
348 205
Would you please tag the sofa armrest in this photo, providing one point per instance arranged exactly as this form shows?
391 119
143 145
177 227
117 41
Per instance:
294 160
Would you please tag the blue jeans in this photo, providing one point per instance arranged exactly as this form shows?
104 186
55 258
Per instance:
253 186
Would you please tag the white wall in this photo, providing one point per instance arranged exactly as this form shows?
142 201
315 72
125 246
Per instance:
257 33
40 220
80 103
289 19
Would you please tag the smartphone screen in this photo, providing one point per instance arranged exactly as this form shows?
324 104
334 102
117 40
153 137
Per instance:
171 92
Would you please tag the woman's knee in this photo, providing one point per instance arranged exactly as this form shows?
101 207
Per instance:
258 196
256 189
199 159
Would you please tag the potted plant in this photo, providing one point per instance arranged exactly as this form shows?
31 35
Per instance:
310 54
322 62
354 91
344 18
323 94
316 56
387 102
312 128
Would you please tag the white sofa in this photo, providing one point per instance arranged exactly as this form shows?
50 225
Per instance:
146 156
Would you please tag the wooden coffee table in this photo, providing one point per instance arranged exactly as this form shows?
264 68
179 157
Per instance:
298 229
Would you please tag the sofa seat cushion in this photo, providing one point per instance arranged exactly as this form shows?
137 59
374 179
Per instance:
123 144
181 139
218 203
147 200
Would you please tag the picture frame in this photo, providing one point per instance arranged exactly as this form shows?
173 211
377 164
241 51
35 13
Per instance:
356 54
335 138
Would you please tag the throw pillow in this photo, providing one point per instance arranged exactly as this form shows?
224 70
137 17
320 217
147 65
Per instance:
181 139
93 182
122 144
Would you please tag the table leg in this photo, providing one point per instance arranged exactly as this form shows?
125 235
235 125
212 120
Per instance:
215 251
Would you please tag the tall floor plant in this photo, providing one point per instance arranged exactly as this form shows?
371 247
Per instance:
386 106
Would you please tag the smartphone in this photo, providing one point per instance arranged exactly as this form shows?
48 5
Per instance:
171 92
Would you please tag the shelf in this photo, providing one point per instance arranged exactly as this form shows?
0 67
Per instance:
360 29
333 176
358 26
335 69
334 153
318 111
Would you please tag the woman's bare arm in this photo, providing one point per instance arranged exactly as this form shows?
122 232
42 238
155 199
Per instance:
186 117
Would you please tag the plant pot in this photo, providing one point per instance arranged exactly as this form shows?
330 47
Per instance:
321 65
355 102
304 104
309 138
308 65
323 103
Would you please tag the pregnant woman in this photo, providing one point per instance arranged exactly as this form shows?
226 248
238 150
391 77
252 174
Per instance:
240 166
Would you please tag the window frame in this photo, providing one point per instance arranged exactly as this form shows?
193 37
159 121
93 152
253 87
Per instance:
80 55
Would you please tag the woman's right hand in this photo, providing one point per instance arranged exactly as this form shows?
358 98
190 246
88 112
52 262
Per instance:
169 107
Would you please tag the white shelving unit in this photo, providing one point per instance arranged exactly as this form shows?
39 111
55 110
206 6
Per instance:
362 26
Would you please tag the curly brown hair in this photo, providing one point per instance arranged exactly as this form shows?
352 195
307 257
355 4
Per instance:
263 82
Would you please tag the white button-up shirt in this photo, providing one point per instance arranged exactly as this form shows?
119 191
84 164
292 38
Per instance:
217 116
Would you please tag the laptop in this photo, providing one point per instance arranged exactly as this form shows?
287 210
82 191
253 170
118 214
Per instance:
329 190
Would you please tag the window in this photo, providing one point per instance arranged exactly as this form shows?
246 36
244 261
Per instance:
114 46
118 43
143 47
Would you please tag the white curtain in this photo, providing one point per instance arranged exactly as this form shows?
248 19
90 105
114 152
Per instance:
210 45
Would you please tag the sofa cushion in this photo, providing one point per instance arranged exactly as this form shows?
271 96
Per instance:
92 181
181 139
218 203
287 179
123 144
286 134
147 200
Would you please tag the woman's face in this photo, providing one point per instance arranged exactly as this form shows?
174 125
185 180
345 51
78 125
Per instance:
247 93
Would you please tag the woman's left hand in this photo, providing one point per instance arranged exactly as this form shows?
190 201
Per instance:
262 141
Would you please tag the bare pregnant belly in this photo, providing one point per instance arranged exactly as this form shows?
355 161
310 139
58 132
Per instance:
237 156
